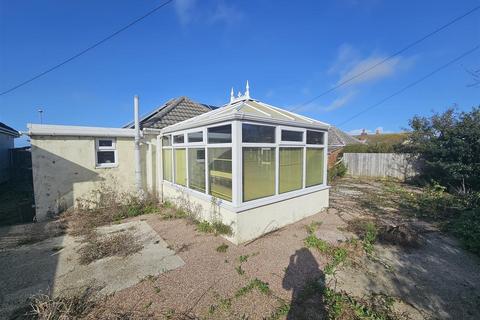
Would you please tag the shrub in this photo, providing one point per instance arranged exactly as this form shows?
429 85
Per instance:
466 227
338 170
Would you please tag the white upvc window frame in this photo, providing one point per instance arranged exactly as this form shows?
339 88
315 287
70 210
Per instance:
99 148
237 204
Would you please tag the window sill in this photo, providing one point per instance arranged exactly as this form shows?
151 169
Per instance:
106 166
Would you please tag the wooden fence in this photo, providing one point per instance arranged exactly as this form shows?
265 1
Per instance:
381 165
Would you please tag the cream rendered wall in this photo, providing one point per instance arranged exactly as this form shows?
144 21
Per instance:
249 224
64 170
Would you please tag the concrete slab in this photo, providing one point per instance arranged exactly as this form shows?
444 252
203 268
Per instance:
51 266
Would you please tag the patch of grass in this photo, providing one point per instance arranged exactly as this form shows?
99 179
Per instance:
280 312
216 227
119 244
313 242
222 248
338 255
254 284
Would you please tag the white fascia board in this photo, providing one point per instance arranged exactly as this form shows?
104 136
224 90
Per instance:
79 131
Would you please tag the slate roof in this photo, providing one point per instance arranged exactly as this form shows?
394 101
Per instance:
174 111
339 139
8 130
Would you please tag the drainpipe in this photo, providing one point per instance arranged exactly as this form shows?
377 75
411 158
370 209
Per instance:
138 168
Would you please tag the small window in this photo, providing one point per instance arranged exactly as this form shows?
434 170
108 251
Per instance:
167 141
290 135
258 134
314 137
222 134
179 138
195 136
106 153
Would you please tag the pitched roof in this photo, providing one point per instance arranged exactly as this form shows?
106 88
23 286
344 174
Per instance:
339 138
173 111
249 109
8 130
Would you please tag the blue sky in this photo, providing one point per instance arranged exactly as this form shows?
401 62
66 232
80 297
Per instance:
290 51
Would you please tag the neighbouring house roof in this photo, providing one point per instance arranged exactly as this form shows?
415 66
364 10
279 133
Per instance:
173 111
4 129
340 138
77 131
248 110
385 138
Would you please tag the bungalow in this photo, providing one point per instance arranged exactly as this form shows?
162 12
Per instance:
7 136
248 164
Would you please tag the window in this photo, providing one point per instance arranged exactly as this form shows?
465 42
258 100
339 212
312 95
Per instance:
314 137
314 174
258 173
167 141
179 138
180 167
220 172
290 135
291 169
196 169
222 134
258 134
167 164
106 153
195 136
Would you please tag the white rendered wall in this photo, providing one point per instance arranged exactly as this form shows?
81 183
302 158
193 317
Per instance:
250 224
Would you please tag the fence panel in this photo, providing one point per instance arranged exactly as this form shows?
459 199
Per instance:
381 165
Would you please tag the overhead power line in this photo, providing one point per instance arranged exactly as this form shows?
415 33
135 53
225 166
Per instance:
344 82
21 84
411 84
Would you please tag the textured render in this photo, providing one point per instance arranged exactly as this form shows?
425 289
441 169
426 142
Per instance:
64 170
250 224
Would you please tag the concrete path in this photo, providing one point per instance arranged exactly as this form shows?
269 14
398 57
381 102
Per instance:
51 266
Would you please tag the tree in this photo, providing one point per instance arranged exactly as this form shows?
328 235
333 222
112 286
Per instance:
449 145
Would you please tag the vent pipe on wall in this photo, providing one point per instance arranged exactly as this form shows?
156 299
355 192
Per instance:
138 168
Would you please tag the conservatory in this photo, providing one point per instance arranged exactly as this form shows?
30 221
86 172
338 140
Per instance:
251 165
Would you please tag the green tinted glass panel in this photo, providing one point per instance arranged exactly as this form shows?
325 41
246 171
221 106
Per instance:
220 172
314 174
258 173
196 169
180 167
167 164
291 169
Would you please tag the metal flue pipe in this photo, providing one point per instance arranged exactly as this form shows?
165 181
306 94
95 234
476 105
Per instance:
138 167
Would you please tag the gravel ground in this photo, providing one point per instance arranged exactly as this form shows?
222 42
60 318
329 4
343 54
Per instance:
206 285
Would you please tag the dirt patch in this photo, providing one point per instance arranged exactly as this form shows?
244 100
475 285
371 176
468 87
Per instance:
120 244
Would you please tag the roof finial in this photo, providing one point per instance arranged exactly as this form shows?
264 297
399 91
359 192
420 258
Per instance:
232 96
247 91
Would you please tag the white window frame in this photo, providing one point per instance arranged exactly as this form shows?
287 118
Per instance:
99 148
237 204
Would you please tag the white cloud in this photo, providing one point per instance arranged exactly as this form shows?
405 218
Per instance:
226 13
185 10
340 102
371 69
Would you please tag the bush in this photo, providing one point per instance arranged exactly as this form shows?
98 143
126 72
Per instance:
466 227
338 170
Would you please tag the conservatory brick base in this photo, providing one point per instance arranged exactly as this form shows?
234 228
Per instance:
248 224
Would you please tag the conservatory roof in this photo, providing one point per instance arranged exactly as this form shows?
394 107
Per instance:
248 109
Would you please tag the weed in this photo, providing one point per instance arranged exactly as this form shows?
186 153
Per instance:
239 270
205 227
216 227
158 290
243 258
313 242
222 248
279 312
256 283
370 237
147 305
118 244
312 227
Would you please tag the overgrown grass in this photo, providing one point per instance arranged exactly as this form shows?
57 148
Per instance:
118 244
222 248
215 227
457 213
